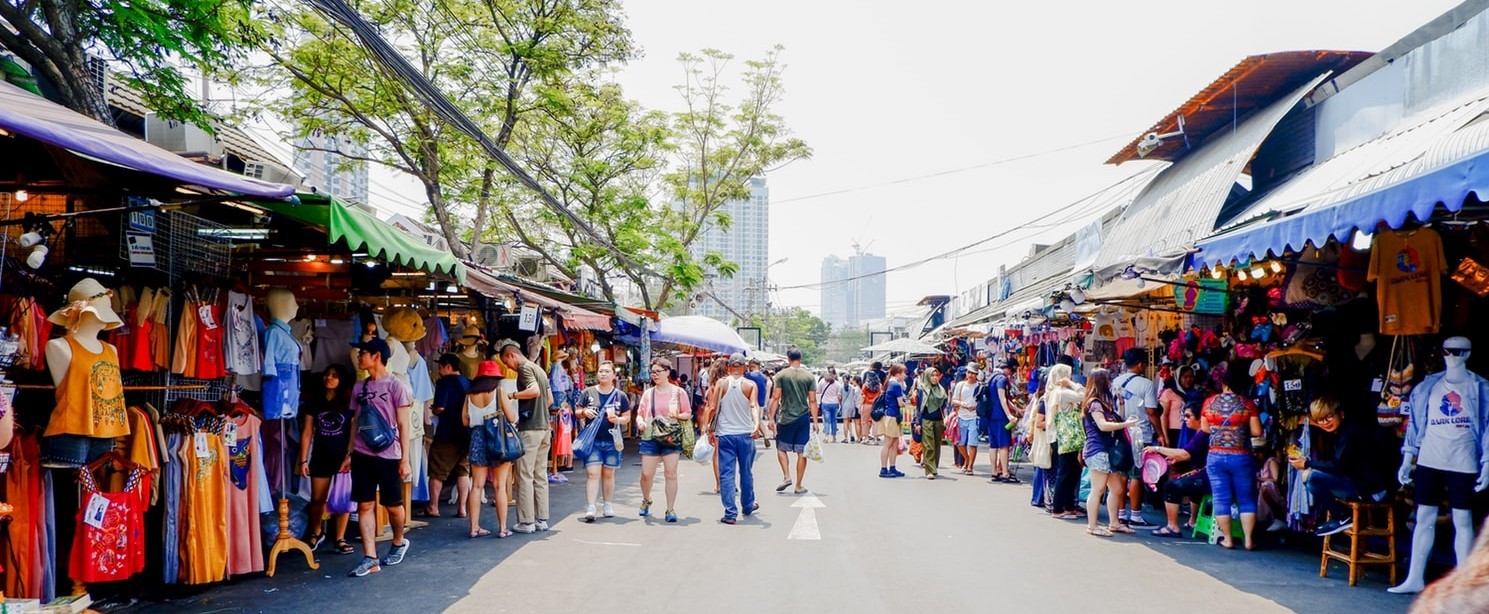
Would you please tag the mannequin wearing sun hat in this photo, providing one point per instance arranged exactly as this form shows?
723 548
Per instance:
470 353
404 326
90 391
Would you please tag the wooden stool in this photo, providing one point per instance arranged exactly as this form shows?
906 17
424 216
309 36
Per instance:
1366 524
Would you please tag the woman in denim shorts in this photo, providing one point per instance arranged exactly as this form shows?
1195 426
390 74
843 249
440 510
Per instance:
1101 424
663 402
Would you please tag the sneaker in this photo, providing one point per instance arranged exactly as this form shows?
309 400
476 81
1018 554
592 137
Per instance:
645 508
542 525
552 478
562 479
367 566
895 472
1333 526
754 507
589 514
671 516
1137 521
884 472
607 510
525 527
1277 525
395 554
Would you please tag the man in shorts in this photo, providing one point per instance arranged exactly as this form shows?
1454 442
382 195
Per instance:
793 408
1137 397
378 475
449 454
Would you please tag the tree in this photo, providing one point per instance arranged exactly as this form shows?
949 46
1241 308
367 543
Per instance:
846 344
64 41
485 55
785 328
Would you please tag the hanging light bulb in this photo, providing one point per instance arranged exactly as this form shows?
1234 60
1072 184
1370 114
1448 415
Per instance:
1241 274
1361 241
22 196
1141 283
1276 266
1257 272
1217 273
37 257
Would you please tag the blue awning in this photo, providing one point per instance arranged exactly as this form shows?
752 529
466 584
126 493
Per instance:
1418 196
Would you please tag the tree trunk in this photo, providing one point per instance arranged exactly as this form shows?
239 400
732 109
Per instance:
483 206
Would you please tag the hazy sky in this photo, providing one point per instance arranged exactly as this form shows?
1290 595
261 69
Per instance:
884 91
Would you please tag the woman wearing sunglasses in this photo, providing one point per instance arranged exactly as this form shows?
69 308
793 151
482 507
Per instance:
662 405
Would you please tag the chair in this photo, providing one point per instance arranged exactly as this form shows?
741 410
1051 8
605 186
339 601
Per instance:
1204 521
1366 519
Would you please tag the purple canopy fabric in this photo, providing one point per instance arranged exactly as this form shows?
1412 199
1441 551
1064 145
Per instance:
25 114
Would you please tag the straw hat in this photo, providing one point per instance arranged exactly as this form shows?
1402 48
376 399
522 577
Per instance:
404 324
88 296
471 336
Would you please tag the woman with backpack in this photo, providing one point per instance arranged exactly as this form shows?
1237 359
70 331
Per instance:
930 402
852 396
664 412
1107 454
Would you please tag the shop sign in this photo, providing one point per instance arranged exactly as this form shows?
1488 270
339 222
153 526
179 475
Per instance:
142 221
1204 296
141 250
528 319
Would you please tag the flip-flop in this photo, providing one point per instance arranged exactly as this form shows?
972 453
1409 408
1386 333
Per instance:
503 534
784 485
1099 532
1167 532
478 533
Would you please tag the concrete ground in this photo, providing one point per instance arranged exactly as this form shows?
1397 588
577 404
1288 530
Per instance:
905 545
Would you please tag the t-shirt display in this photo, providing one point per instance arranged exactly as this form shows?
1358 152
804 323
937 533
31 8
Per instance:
1407 267
1447 442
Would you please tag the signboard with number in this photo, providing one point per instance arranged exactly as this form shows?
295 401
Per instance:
142 221
528 319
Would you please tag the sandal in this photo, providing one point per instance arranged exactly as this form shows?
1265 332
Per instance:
344 547
504 533
1066 516
1167 532
1120 528
479 533
315 541
1099 532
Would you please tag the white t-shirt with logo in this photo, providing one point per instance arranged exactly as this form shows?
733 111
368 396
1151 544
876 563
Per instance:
1138 394
1447 440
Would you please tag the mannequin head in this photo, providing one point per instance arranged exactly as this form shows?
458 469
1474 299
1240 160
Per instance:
403 324
1455 353
281 304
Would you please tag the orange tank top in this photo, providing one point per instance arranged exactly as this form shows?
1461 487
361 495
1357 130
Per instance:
90 399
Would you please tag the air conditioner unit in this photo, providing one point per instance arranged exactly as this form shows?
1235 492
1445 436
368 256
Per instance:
180 137
495 256
272 172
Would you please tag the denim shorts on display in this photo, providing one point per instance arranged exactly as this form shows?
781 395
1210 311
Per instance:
72 451
605 454
967 432
792 436
652 448
1100 461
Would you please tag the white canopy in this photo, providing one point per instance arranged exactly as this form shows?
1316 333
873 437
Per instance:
904 345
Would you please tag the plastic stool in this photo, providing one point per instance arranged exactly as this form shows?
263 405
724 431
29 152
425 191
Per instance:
1204 521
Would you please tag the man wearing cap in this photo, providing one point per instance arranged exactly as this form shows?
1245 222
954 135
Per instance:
449 453
794 397
1137 397
732 427
534 397
378 474
762 389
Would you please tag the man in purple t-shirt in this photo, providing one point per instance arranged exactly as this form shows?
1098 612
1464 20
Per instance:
378 474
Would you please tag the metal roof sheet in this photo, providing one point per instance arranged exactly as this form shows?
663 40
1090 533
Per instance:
1252 84
1180 205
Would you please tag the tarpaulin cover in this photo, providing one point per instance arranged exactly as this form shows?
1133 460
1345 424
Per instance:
361 229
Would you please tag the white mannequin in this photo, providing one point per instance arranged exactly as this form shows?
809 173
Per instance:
1426 529
59 353
281 304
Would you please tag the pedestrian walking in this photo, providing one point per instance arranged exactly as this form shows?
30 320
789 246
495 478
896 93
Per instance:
852 397
664 408
609 405
733 428
378 465
830 394
964 402
533 400
1104 432
793 410
889 425
484 399
930 403
324 441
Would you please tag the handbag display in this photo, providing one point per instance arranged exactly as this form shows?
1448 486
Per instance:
1473 276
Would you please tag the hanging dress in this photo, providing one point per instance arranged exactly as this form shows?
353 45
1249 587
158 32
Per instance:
141 340
203 543
183 359
245 540
23 549
160 329
109 544
209 347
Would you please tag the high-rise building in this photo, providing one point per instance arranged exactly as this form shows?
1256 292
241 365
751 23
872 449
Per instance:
852 289
330 172
747 244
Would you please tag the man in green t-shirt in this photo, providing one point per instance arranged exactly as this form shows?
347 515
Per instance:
533 397
794 397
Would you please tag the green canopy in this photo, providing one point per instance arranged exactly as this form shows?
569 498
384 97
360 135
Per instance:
359 228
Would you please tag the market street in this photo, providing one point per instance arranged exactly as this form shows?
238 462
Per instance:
966 544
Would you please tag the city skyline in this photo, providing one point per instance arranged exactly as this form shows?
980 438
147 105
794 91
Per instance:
746 243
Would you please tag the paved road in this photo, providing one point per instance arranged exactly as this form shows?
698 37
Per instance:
906 545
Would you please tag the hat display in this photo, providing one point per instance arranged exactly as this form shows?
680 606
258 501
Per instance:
471 336
374 345
404 324
488 377
87 296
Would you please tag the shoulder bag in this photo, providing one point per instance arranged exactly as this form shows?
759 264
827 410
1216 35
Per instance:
661 430
374 429
503 442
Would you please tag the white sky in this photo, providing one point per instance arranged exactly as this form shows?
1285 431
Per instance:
885 91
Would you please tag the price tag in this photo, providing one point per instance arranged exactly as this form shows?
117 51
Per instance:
98 505
1377 385
204 314
1292 385
201 445
230 434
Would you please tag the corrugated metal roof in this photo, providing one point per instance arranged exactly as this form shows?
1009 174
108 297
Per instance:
1415 147
1252 84
1179 207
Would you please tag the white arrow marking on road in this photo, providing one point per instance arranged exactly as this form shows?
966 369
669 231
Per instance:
806 523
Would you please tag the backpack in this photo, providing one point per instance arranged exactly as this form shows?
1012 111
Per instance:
881 405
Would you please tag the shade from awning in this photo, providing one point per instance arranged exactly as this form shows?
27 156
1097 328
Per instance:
1404 174
25 114
360 230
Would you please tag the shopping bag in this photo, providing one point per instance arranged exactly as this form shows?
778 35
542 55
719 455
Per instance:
814 448
1039 449
702 450
339 499
585 444
689 437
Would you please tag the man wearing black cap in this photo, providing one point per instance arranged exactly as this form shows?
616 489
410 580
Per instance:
793 398
377 462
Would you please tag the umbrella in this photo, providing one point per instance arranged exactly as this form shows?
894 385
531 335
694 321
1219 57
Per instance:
699 332
904 345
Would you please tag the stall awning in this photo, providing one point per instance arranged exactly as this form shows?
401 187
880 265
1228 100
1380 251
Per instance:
700 332
1180 205
481 280
363 230
1030 297
25 114
1408 172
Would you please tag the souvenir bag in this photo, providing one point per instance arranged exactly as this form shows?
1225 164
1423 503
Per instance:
813 451
1396 386
584 445
1039 446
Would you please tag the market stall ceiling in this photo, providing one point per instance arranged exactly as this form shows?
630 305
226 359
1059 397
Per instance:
362 230
26 114
1253 83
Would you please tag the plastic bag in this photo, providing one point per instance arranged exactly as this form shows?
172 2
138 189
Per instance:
339 499
813 450
702 450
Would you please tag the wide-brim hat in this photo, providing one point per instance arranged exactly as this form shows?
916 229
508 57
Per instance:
88 296
471 336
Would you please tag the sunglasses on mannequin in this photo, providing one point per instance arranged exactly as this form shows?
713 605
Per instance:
1459 352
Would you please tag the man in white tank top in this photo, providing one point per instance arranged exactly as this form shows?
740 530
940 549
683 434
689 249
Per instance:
735 426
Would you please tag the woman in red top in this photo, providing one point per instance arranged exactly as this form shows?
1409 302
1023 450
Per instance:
1232 420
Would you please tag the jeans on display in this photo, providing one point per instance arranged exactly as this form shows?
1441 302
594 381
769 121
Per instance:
736 457
830 419
1232 479
1068 481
